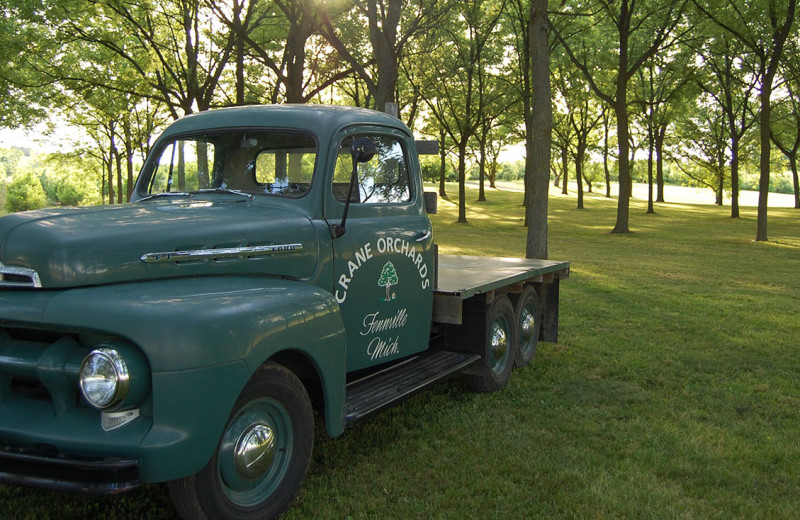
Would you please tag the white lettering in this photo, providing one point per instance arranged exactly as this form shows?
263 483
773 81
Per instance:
373 324
383 245
378 348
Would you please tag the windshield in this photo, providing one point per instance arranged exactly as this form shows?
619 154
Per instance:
259 162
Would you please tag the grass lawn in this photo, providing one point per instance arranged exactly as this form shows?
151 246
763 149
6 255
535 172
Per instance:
672 393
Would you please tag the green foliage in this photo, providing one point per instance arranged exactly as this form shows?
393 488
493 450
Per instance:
24 193
511 171
430 169
9 161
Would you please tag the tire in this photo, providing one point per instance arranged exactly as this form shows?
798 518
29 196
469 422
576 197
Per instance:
529 315
274 420
500 344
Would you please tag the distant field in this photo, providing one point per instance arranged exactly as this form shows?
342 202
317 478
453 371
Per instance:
672 392
680 194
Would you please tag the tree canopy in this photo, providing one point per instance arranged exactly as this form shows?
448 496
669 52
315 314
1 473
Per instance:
707 88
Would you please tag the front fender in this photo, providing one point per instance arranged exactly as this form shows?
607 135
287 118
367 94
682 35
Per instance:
204 338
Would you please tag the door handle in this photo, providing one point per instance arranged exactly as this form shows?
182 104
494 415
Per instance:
425 235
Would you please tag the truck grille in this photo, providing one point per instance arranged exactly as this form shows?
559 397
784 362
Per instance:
19 277
40 368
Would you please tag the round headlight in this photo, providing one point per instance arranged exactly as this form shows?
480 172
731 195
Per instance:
104 378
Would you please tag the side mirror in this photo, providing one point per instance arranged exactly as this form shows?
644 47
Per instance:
362 150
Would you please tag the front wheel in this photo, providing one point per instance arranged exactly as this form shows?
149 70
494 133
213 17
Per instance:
500 345
262 458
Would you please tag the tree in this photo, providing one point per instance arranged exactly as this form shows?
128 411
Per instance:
785 130
388 278
24 93
25 193
391 25
641 29
173 48
660 92
578 118
763 27
278 35
705 133
724 75
448 78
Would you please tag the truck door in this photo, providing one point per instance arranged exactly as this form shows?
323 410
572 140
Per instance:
383 264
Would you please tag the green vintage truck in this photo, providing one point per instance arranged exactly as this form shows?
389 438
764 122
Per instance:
275 266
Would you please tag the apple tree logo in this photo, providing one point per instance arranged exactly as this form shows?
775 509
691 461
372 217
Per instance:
388 279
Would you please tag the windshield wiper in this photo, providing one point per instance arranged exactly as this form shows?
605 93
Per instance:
167 194
227 190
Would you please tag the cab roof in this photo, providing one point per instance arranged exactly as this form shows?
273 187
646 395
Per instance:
323 120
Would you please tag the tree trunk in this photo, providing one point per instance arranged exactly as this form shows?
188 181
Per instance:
734 175
295 58
793 166
579 172
564 169
482 166
623 203
119 177
763 180
462 177
112 147
442 164
720 189
239 45
383 36
605 154
128 158
660 135
542 118
650 153
623 134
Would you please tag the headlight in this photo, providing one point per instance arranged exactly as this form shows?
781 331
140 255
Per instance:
104 378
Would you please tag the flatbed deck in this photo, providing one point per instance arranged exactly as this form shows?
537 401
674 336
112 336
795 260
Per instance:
466 276
470 281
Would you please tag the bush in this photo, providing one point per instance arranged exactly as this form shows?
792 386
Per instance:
25 193
511 171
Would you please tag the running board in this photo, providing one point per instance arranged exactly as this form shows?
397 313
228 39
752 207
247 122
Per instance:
391 386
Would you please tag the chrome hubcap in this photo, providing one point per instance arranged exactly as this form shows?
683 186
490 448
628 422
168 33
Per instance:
255 451
528 325
499 342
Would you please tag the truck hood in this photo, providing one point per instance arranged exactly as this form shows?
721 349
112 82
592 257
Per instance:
156 239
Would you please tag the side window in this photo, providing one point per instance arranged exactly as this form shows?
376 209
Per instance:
382 180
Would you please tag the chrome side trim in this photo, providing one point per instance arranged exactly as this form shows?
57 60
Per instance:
217 254
19 277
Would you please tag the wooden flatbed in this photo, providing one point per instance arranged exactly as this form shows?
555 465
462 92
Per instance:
460 278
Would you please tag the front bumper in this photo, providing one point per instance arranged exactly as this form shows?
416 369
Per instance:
105 476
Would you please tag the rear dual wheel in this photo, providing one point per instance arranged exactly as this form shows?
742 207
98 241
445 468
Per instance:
262 458
500 345
528 316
